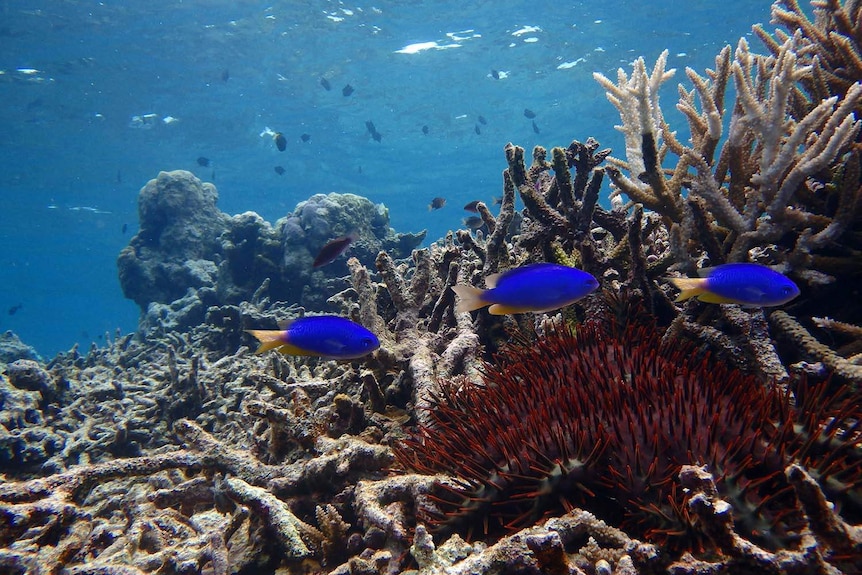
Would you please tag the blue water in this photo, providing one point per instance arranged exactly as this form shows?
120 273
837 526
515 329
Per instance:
76 73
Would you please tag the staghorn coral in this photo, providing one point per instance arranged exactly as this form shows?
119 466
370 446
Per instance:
783 190
832 44
605 421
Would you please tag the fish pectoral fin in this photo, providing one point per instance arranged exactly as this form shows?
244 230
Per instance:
335 345
469 298
690 287
714 298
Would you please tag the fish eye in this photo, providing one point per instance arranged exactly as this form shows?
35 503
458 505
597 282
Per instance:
367 342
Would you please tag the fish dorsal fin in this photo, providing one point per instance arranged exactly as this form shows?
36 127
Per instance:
492 280
285 323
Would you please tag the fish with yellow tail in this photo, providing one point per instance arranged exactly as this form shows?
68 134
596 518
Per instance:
746 284
532 288
326 336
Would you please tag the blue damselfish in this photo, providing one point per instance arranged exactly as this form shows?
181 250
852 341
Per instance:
534 287
751 285
324 336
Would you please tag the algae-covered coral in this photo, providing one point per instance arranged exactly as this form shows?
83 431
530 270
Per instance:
178 450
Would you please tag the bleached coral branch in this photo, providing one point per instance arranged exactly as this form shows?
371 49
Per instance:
766 115
643 126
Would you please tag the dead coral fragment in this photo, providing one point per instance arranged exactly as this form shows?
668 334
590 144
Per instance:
792 329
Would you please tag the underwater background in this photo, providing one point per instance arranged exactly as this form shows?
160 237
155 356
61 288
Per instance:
99 97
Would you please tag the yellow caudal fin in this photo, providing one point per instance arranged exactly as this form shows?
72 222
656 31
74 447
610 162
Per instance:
268 338
469 298
690 287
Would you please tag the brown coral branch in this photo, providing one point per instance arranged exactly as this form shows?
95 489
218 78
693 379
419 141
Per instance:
563 181
386 503
809 346
367 291
517 166
824 522
395 283
496 244
286 527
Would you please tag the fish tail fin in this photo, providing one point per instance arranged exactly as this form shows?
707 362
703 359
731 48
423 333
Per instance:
268 338
690 287
469 298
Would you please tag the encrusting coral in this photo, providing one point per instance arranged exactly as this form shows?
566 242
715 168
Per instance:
177 450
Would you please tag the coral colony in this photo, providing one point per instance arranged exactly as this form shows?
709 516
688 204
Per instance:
620 433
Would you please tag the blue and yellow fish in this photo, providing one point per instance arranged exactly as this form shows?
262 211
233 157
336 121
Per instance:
751 285
534 287
325 336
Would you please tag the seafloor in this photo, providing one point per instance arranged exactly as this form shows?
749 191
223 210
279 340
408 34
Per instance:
626 433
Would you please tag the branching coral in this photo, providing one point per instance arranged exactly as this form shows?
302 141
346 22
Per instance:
785 188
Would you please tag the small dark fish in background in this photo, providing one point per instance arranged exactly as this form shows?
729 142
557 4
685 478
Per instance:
347 90
305 137
498 201
203 162
482 120
225 75
369 125
14 309
325 83
436 203
124 229
477 129
119 177
474 222
528 113
471 207
334 248
535 127
495 74
280 141
279 170
425 129
359 169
